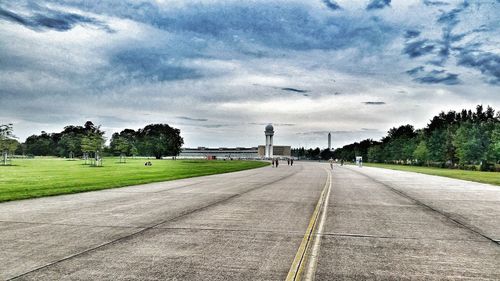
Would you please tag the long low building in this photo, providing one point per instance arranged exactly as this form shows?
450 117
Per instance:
234 152
221 152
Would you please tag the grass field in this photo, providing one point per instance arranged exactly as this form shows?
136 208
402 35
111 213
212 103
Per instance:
44 177
483 177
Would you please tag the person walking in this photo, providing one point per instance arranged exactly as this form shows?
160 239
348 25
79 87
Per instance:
273 162
288 161
291 162
331 163
277 162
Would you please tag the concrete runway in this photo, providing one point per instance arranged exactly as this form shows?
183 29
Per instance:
263 224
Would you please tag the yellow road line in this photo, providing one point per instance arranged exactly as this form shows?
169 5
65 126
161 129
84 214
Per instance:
299 262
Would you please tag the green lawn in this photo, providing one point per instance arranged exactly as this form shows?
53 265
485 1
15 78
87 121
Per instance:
30 178
484 177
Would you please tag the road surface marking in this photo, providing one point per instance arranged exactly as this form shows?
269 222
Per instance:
307 254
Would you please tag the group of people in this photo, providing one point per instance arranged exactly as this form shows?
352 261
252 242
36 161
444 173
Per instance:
276 162
331 161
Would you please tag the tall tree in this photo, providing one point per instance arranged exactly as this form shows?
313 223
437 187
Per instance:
41 145
494 149
8 143
160 140
421 153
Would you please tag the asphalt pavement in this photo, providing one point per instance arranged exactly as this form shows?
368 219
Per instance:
304 221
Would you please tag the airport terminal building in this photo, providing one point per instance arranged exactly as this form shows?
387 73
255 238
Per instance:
220 153
260 152
234 153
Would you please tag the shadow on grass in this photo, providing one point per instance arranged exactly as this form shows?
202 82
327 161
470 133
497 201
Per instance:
92 166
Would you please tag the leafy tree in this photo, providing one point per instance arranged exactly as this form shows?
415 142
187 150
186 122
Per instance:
92 143
6 137
468 144
125 142
21 149
122 145
160 140
40 145
70 143
400 143
326 154
8 143
299 152
436 145
375 153
465 137
494 149
421 152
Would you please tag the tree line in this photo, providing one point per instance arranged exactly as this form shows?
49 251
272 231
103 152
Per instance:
156 140
464 139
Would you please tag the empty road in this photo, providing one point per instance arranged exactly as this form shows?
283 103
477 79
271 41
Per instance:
301 222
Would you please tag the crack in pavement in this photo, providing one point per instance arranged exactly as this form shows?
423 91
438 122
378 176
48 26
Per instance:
299 233
70 224
355 235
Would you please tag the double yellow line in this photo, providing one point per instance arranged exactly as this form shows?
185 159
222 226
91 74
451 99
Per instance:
300 261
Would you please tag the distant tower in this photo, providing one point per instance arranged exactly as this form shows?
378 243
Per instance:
329 141
269 140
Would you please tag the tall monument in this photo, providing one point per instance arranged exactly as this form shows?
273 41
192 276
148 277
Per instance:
329 141
269 140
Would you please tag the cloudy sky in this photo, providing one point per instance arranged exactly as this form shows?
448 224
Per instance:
220 70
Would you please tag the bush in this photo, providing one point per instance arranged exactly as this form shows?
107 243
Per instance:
468 167
487 167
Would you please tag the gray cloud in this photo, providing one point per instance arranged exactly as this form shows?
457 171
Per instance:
411 33
338 132
294 90
292 26
47 19
332 4
274 124
415 70
424 76
215 126
374 102
314 133
435 3
418 48
439 77
487 63
192 119
150 64
378 4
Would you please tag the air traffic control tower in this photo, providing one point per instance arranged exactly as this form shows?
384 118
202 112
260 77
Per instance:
269 140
